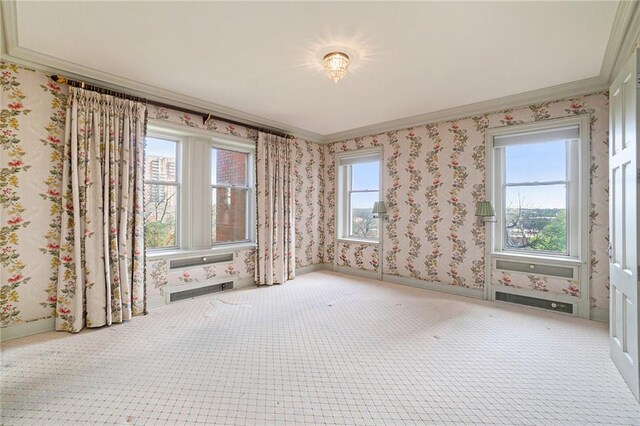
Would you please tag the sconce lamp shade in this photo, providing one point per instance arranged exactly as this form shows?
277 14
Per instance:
379 207
485 209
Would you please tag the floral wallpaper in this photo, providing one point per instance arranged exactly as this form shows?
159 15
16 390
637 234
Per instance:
435 175
32 119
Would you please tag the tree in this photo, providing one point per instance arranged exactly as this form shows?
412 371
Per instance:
553 237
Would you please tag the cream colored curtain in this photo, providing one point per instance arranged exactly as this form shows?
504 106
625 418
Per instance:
101 262
275 254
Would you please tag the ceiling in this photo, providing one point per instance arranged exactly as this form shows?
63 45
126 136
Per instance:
263 59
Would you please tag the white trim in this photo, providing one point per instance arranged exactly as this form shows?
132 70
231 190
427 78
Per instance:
600 315
155 302
358 241
13 52
27 329
364 273
580 242
313 268
561 91
622 40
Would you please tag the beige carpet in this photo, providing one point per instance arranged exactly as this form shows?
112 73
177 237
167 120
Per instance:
325 348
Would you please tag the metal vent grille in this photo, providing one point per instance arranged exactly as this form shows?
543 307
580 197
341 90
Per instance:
200 261
550 305
200 291
535 268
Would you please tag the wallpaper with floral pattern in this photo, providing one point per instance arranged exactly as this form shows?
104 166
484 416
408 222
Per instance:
435 175
32 119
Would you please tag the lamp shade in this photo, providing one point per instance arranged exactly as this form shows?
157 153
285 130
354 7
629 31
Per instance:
379 207
485 209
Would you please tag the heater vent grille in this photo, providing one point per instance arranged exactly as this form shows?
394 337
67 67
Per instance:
550 305
200 260
536 268
199 291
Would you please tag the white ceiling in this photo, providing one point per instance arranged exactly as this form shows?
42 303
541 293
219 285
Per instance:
263 58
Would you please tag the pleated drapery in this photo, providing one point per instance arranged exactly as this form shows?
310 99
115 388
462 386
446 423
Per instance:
101 261
275 252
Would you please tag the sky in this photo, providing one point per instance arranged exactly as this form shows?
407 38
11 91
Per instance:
525 163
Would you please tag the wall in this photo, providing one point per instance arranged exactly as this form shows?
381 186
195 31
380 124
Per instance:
31 133
435 175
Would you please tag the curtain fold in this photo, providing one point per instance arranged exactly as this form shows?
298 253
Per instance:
101 261
275 218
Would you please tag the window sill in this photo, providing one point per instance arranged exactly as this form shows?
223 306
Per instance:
177 253
551 260
359 241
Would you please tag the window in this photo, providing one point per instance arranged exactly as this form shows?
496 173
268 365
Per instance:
539 188
161 193
198 190
229 196
359 188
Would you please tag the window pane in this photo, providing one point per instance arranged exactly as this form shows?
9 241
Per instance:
228 214
228 167
160 160
362 222
160 211
538 162
536 218
365 176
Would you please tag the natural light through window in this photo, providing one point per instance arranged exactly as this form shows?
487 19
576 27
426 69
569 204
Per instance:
161 193
229 196
359 183
538 190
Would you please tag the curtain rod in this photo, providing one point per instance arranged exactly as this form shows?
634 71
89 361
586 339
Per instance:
205 116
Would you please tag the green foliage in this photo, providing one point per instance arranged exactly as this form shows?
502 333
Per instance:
553 236
158 234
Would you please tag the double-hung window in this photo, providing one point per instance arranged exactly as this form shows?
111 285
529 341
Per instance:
161 192
198 190
230 188
358 189
540 188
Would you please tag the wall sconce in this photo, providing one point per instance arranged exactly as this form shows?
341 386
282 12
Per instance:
484 210
379 209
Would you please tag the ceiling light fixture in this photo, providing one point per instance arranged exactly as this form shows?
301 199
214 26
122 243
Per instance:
336 65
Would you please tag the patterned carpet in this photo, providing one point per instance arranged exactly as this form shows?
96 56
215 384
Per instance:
323 349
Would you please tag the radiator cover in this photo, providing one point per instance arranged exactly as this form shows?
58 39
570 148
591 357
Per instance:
550 305
190 293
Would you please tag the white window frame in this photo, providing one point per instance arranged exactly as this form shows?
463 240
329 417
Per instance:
344 191
176 184
194 174
249 188
578 167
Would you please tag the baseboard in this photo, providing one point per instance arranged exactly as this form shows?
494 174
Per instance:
155 301
312 268
245 282
434 286
373 275
600 315
27 329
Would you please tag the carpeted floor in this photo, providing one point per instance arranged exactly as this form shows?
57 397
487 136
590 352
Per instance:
325 348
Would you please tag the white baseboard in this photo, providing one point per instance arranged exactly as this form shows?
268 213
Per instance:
312 268
373 275
155 301
27 329
601 315
245 282
434 286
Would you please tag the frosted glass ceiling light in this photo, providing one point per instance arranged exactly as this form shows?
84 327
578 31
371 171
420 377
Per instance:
336 65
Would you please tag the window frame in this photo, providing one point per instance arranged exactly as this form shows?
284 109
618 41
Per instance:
577 193
249 188
344 185
193 171
177 184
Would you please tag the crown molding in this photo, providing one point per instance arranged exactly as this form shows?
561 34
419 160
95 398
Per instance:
625 33
619 30
629 26
561 91
27 57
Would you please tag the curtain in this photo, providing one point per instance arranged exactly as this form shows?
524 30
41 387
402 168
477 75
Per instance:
101 261
275 253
